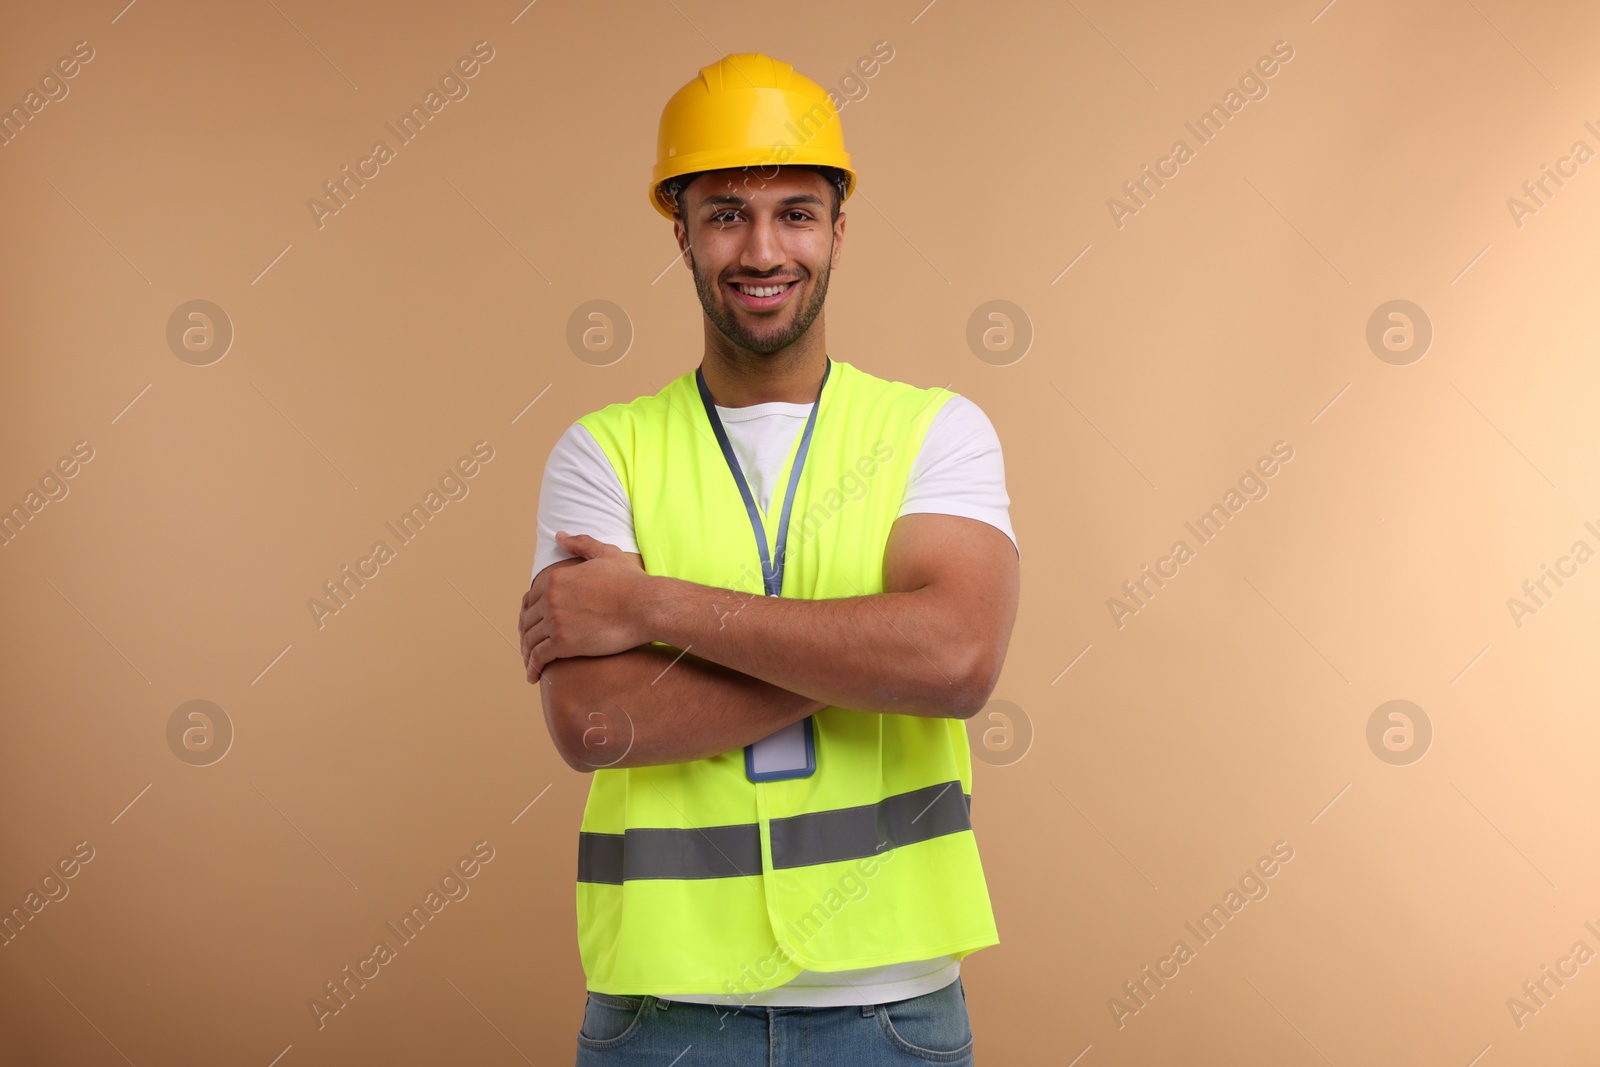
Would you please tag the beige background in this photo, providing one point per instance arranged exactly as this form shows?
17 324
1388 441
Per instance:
1228 314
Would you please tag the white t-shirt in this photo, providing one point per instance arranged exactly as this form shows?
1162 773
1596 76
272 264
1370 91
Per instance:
959 470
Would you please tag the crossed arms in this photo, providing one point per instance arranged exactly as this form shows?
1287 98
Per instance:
931 644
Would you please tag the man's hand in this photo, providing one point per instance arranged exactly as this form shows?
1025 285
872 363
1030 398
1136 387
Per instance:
588 609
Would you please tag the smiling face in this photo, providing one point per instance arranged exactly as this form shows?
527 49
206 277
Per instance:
761 249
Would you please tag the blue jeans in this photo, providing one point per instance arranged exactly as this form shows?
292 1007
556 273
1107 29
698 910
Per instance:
628 1031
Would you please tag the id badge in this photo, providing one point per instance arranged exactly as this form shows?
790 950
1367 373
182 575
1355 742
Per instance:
789 753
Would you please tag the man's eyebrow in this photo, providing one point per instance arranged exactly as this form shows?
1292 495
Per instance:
733 200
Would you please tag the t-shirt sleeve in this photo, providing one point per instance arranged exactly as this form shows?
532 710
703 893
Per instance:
959 469
580 494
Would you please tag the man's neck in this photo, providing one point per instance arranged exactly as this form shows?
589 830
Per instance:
739 378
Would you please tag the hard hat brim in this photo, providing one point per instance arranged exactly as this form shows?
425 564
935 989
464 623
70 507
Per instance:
758 168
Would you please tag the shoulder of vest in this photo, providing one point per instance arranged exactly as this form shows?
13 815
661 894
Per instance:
622 428
916 401
616 418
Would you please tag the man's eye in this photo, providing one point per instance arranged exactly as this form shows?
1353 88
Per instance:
797 215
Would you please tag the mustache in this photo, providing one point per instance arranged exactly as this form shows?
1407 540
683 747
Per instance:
776 275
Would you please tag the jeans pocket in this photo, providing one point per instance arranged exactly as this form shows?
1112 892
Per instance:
610 1021
933 1027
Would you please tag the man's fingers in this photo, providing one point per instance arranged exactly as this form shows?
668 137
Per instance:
527 612
585 546
531 637
524 616
532 663
542 654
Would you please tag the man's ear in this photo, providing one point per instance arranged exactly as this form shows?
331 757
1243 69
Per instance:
838 240
680 230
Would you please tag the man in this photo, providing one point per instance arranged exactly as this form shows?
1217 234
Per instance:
776 862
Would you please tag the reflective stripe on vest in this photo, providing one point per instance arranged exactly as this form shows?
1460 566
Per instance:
797 841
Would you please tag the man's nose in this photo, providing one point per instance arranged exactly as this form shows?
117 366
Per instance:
762 252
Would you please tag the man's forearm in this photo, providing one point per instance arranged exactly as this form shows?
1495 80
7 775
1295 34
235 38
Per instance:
623 711
888 652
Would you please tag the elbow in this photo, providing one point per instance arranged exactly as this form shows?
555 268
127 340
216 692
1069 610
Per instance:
565 719
571 754
976 683
566 734
590 730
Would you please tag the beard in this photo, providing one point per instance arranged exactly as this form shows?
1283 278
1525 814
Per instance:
769 336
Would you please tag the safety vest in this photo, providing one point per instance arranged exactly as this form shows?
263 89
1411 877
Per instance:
691 877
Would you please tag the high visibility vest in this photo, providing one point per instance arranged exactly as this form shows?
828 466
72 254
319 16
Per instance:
691 877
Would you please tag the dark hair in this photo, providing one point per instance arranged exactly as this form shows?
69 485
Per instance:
838 179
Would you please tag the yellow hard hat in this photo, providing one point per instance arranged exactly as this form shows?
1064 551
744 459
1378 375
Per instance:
747 110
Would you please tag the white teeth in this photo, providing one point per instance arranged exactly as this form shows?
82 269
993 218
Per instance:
770 290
